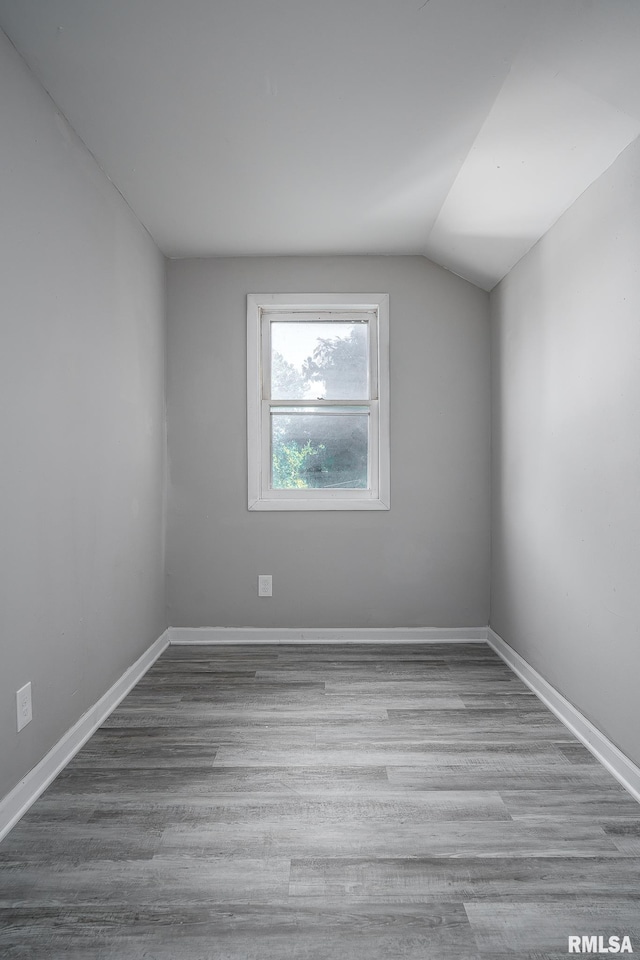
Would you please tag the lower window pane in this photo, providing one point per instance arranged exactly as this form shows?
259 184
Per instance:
311 451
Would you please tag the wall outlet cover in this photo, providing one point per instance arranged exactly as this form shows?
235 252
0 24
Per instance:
23 706
265 588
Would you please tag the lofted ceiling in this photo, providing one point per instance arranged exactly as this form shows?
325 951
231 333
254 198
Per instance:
456 129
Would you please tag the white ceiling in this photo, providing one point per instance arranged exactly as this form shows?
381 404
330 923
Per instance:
457 129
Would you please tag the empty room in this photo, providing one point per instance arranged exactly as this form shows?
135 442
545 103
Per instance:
320 486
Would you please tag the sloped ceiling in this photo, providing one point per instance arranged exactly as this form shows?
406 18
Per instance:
456 129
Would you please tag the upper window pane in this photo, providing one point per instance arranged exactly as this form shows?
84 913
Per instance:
312 360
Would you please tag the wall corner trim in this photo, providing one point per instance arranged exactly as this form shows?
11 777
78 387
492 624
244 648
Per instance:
611 757
211 635
26 792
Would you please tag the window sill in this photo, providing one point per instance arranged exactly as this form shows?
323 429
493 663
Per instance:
285 504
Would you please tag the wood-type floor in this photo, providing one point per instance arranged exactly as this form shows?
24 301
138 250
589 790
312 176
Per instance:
355 802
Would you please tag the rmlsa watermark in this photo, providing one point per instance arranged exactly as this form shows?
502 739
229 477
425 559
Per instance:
596 944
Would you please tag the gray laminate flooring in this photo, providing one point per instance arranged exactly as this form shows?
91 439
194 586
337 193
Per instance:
324 802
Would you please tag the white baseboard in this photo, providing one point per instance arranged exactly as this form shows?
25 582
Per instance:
16 803
615 761
210 635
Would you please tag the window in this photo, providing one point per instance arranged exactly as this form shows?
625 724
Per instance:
318 401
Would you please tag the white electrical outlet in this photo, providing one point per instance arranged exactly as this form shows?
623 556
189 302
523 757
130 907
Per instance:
265 588
23 706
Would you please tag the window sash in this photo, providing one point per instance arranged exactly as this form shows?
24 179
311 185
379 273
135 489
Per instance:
325 316
371 491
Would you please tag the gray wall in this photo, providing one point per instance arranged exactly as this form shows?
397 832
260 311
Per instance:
424 562
566 455
81 420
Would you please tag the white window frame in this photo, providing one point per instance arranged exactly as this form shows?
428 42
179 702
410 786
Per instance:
261 310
